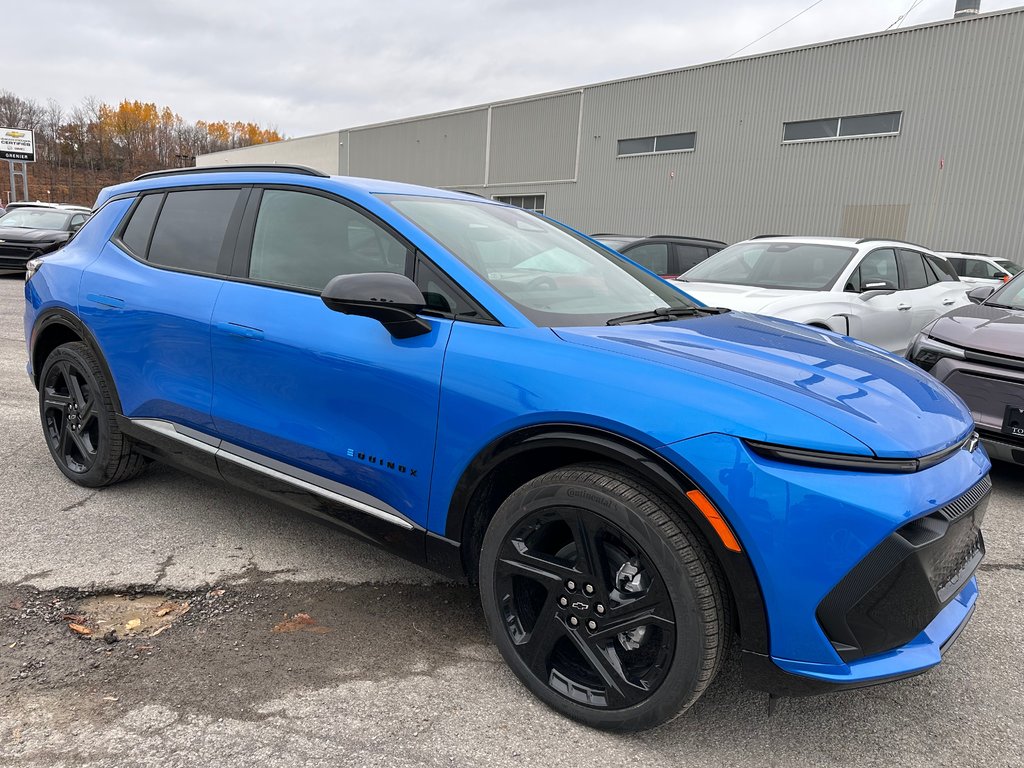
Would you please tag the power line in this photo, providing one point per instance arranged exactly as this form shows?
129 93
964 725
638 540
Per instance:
762 37
903 18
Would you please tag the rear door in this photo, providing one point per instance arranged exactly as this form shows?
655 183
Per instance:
689 256
305 395
149 297
929 290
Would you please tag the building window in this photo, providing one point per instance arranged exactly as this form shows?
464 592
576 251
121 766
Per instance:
670 142
533 203
850 127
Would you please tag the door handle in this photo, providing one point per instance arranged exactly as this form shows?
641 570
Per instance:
902 307
105 301
244 331
947 302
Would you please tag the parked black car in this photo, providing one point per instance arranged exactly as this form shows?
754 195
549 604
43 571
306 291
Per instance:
665 255
27 232
978 352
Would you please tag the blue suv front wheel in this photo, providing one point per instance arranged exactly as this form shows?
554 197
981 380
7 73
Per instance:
601 599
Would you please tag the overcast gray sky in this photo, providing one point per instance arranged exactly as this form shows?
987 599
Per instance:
304 66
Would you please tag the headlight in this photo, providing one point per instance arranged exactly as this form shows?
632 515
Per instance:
31 267
926 351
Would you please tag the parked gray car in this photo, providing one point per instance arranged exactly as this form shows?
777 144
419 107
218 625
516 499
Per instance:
978 352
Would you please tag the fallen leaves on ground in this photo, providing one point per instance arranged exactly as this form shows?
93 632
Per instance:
79 629
300 622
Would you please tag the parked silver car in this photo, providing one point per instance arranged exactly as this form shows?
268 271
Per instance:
879 291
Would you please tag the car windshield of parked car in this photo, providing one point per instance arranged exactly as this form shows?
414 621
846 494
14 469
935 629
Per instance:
793 266
1008 265
27 218
1010 296
551 275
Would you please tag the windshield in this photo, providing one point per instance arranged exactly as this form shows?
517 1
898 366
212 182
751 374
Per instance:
28 218
552 276
793 266
1008 265
1010 295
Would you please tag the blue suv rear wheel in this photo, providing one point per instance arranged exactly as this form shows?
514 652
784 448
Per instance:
601 599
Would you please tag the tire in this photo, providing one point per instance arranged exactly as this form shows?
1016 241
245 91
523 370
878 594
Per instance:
79 423
652 622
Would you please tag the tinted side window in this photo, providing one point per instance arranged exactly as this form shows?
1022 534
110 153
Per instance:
982 269
654 256
912 271
304 240
878 267
136 234
690 256
444 296
943 270
190 232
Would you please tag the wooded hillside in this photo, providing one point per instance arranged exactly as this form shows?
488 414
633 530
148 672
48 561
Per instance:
92 145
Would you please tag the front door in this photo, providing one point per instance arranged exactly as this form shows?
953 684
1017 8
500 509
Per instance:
331 403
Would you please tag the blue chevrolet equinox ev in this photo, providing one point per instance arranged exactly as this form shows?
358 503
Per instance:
631 477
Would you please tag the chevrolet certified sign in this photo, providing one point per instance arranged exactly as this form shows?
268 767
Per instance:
17 145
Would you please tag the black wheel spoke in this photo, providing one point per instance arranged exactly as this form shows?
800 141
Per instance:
84 448
63 433
536 649
87 413
643 612
74 386
517 560
604 659
588 547
54 401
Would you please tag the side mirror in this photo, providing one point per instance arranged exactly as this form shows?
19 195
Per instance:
979 294
877 288
392 300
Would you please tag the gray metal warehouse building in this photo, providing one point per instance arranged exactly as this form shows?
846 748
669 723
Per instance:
914 133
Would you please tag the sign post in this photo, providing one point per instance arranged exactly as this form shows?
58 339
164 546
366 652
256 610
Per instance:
18 148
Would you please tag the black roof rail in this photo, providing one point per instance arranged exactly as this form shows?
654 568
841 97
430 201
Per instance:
891 240
685 237
761 237
300 170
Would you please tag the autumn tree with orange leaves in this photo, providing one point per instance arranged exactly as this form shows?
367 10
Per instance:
78 152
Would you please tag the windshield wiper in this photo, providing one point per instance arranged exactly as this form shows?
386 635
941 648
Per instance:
1000 306
664 313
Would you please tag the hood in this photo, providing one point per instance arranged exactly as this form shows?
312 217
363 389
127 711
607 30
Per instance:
745 298
889 405
20 235
983 328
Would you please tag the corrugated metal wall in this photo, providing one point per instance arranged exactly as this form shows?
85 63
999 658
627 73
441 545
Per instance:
444 150
953 178
320 152
535 140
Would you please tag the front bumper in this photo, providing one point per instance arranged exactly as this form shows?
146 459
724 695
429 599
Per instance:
989 385
865 577
15 255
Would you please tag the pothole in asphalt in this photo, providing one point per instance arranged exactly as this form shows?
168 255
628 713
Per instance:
118 616
204 651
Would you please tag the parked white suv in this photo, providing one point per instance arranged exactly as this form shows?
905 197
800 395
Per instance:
880 291
981 269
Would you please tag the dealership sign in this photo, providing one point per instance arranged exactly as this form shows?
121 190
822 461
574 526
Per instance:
17 145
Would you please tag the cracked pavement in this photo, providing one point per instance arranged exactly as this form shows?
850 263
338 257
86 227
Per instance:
401 672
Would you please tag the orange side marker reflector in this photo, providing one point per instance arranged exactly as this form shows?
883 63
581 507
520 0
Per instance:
711 514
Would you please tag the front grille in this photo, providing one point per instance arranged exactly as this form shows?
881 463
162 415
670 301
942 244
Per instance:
16 254
891 595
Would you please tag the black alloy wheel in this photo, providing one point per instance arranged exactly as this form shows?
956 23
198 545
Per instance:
601 600
79 421
69 416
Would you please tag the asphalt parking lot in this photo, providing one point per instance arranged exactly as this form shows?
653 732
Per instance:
282 642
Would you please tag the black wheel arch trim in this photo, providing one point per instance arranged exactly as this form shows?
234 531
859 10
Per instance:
67 319
645 462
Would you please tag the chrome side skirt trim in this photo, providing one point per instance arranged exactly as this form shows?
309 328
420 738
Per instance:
225 450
